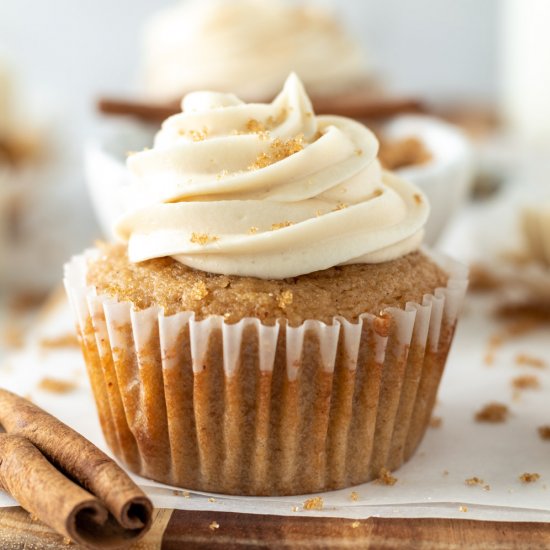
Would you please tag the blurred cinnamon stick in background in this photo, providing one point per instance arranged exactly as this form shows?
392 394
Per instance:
353 105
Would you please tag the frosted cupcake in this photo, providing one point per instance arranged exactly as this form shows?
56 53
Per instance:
248 47
268 324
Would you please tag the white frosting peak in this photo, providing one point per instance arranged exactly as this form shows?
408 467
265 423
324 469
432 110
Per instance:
267 190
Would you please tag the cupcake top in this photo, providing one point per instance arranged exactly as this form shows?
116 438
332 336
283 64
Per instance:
249 47
267 190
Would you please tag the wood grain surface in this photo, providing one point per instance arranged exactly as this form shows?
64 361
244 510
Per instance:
221 530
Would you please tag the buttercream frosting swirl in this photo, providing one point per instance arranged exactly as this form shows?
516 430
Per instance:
267 190
248 47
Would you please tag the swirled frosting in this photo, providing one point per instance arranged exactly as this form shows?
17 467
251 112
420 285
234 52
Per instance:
267 190
248 47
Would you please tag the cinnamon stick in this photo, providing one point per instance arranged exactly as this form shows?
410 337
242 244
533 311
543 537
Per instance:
96 504
354 105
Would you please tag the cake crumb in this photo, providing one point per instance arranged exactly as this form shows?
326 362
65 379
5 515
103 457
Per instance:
493 413
67 541
315 503
435 422
68 340
385 477
203 238
355 524
463 509
354 496
486 487
214 525
526 382
544 432
445 473
211 499
474 481
530 361
180 493
529 477
295 509
54 385
199 291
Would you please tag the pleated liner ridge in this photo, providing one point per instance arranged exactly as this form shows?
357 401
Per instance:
251 409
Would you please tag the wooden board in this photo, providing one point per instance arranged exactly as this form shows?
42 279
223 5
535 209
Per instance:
221 530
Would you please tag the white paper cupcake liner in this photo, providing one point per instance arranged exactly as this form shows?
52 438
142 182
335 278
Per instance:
247 408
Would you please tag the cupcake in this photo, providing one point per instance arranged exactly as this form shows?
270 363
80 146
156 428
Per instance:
268 323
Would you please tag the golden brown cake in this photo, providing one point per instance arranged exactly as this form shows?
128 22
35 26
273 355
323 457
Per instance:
270 325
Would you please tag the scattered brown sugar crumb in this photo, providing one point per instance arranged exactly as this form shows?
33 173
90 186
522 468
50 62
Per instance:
544 432
295 509
53 385
68 340
409 151
529 478
436 421
198 135
355 524
348 290
463 509
180 493
530 361
315 503
214 525
203 238
474 481
354 496
211 499
526 382
252 230
417 198
385 477
493 413
340 206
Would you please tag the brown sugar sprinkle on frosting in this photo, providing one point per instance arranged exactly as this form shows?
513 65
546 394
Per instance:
529 361
252 230
463 509
203 238
529 478
417 198
354 496
340 206
198 135
526 382
279 150
315 503
385 477
295 509
281 225
493 413
544 432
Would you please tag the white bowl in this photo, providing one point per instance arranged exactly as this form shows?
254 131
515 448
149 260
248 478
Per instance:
446 179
